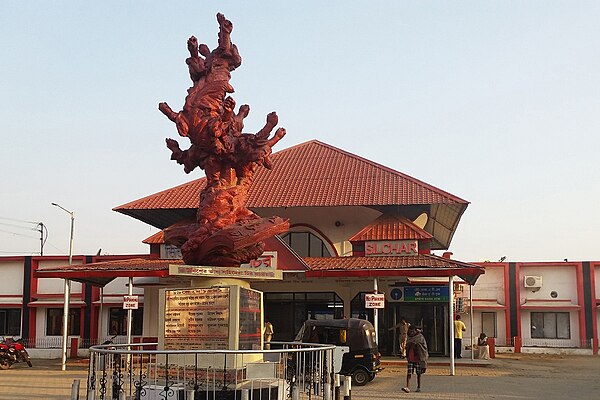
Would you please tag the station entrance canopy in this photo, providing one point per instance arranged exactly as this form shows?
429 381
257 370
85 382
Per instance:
422 265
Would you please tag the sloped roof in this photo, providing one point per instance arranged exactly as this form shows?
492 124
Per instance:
390 227
315 174
157 238
414 265
100 273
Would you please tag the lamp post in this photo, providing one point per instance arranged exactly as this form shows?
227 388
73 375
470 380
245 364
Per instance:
65 326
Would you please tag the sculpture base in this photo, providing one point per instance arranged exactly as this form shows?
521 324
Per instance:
233 245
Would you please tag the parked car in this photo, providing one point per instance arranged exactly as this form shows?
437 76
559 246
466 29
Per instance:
362 362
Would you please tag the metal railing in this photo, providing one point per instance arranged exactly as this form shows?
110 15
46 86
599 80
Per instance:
55 342
557 343
297 371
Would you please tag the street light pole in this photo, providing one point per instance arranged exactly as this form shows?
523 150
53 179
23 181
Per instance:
67 291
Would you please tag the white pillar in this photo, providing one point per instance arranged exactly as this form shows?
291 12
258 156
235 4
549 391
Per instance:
376 312
129 311
100 315
451 317
471 320
65 326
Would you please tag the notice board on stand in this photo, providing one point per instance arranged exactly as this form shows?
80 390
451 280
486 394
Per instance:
197 318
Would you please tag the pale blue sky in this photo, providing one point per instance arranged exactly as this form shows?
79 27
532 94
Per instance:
493 101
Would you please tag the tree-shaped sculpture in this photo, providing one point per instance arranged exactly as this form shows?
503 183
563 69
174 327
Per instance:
225 232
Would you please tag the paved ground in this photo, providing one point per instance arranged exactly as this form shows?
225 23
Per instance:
508 377
514 377
44 381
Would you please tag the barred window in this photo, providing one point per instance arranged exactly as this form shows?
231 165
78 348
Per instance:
54 321
10 321
550 325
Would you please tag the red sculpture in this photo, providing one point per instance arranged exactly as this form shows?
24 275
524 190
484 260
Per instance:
225 231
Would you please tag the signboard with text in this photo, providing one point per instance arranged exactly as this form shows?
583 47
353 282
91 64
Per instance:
382 248
412 294
130 302
375 300
197 319
264 267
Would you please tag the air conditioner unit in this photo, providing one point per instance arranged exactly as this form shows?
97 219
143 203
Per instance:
532 281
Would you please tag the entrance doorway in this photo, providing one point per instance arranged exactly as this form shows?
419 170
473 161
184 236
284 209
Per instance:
431 317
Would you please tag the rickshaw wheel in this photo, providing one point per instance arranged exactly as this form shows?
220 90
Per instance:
372 376
360 377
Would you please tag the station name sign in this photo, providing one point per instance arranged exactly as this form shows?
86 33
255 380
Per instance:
264 267
391 248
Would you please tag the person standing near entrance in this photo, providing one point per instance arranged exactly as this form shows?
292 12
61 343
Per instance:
268 334
459 328
403 327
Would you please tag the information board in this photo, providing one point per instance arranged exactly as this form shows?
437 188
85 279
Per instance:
250 319
197 319
435 294
426 293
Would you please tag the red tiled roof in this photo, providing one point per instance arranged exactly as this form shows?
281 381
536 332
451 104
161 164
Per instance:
313 174
388 262
101 273
157 238
417 265
389 227
134 264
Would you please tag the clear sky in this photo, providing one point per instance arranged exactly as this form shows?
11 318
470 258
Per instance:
496 102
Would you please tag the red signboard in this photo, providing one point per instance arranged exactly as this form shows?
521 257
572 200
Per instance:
391 248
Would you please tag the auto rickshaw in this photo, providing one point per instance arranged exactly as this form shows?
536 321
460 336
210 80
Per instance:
362 362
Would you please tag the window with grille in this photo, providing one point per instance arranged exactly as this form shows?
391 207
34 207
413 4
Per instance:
54 321
550 325
10 321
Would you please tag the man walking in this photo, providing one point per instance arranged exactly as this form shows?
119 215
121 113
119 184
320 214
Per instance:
459 328
417 355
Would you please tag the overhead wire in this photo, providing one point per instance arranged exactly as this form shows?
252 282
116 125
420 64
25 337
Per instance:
18 234
38 227
17 226
19 220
